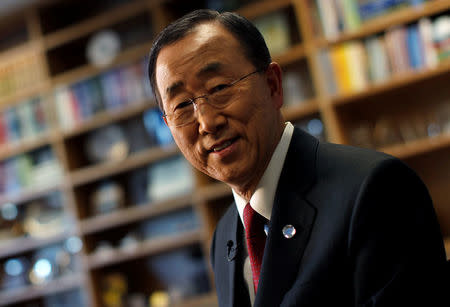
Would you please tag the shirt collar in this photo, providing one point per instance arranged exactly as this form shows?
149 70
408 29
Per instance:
264 195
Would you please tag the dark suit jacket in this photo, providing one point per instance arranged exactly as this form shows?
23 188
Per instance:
367 234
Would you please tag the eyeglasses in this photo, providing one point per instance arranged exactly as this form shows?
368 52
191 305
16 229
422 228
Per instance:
219 97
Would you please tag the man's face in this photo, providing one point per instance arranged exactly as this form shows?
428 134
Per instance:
233 144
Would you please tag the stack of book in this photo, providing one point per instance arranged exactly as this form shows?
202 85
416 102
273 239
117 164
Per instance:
356 64
27 120
109 91
29 170
337 16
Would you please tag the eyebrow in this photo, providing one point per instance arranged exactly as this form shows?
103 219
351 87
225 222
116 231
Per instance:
173 88
208 68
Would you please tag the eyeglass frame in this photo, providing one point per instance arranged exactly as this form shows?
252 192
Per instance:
205 96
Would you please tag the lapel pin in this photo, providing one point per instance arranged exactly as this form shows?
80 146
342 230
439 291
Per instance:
266 229
289 231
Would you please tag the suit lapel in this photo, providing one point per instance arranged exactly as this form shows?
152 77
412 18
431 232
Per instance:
234 248
280 265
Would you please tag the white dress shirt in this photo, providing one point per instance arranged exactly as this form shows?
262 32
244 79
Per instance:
264 195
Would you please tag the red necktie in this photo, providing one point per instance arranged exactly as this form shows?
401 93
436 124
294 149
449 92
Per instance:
256 240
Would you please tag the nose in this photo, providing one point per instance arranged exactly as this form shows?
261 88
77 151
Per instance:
210 119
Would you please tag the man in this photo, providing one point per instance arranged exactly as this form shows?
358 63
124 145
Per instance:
344 226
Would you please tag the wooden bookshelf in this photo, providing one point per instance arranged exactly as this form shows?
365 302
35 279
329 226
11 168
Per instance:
30 193
292 55
27 293
418 147
144 249
209 198
25 244
207 300
447 247
303 109
108 117
392 19
99 22
134 213
88 70
110 168
13 149
397 81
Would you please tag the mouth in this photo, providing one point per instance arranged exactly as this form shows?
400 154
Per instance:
222 145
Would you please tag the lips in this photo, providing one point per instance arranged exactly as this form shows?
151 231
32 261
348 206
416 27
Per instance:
222 145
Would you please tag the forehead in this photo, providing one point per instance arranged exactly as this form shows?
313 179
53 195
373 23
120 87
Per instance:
207 43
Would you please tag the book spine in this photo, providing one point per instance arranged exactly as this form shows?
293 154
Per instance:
339 61
357 65
64 108
328 18
351 14
414 47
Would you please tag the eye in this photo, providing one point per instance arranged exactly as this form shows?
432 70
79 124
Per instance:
183 104
219 88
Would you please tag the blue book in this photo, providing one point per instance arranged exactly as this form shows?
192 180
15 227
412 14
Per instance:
95 92
12 122
110 90
82 99
372 8
416 58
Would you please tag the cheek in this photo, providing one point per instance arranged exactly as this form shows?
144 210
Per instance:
187 147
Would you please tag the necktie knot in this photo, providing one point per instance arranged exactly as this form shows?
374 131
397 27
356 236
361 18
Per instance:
256 240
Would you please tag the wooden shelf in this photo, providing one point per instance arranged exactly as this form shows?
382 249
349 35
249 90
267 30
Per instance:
212 191
447 247
396 82
24 244
303 109
380 24
31 193
108 117
110 168
293 54
205 300
101 21
144 249
86 71
23 94
260 8
134 214
27 293
418 147
12 149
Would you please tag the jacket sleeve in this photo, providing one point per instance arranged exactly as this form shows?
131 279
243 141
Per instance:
394 243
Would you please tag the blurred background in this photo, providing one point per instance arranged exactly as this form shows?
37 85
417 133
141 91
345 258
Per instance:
98 207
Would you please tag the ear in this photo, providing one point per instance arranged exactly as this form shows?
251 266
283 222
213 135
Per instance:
274 81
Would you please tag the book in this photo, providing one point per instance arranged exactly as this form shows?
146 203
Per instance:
12 122
169 178
323 58
25 113
275 29
415 48
329 18
378 61
39 118
357 65
425 28
63 107
352 20
369 9
340 64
